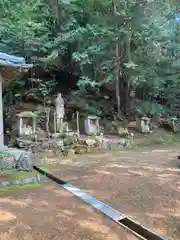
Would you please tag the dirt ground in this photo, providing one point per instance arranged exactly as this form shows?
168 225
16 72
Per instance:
50 212
141 183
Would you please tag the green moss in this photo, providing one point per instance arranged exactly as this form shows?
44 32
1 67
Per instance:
21 175
4 191
15 175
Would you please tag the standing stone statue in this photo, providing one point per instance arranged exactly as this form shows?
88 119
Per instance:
59 102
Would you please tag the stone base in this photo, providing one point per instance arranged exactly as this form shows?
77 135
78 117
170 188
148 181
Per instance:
12 158
111 144
29 180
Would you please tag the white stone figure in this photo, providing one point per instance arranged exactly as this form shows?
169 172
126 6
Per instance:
59 102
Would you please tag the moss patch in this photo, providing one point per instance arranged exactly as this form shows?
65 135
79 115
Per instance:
159 137
4 191
15 175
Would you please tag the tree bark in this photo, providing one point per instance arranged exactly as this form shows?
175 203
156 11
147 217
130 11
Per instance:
117 82
117 72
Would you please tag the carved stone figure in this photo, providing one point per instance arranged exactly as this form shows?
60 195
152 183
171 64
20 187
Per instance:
59 103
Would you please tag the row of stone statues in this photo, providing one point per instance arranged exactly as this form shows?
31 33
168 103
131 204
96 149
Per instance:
27 121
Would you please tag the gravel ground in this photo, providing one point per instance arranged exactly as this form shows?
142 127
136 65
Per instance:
51 213
142 183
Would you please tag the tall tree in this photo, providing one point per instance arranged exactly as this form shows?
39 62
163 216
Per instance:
105 41
25 27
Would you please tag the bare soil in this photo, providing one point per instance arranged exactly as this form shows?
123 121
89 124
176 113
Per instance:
141 183
3 177
51 213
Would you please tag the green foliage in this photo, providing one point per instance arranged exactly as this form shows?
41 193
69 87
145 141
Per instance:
143 30
81 36
24 27
150 109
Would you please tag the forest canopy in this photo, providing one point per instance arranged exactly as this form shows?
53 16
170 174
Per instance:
131 43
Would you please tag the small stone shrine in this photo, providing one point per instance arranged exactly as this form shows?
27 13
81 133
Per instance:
92 125
26 123
143 124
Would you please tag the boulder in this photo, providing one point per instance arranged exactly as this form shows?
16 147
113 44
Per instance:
90 142
122 132
80 149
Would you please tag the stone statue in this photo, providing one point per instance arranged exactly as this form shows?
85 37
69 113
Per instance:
59 102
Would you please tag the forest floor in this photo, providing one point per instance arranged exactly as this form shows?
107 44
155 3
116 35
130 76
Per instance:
143 183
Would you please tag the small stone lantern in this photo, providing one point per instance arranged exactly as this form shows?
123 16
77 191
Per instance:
143 124
92 125
26 123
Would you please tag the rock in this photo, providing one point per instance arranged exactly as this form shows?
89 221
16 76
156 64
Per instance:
174 124
41 134
34 179
124 142
122 132
27 180
80 149
90 142
7 161
45 146
99 141
5 183
38 177
24 143
68 141
70 152
58 135
60 142
24 161
57 147
17 182
15 158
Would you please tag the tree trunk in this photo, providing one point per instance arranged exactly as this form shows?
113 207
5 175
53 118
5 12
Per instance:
118 82
117 72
